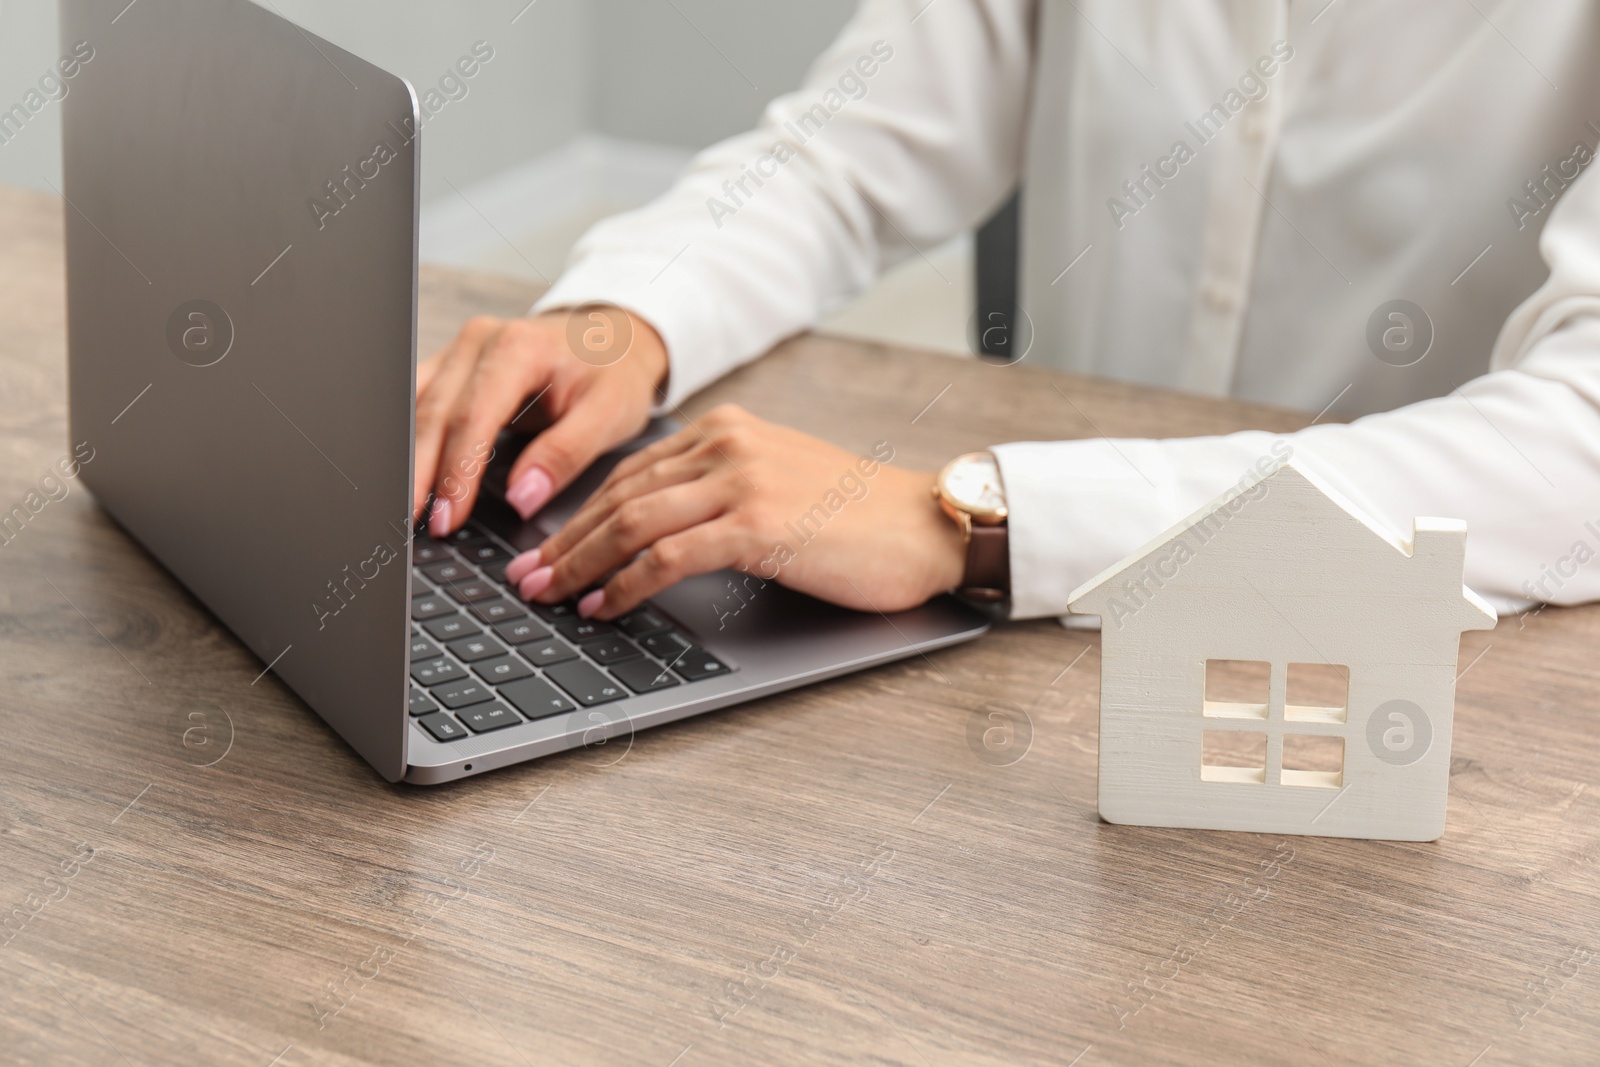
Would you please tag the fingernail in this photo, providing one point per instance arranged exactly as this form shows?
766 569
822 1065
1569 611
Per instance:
520 567
530 493
536 583
592 603
439 521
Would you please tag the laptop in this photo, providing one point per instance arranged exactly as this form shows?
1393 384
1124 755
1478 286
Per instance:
241 243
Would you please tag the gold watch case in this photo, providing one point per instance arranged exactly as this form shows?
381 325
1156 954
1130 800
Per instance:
969 489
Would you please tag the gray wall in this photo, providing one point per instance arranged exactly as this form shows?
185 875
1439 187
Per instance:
635 69
27 49
532 96
720 60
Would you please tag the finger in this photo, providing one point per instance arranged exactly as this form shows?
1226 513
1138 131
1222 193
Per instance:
473 332
597 420
633 527
428 369
434 405
674 470
694 435
672 445
706 547
523 565
436 392
512 367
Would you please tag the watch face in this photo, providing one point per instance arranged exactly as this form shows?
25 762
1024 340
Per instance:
972 483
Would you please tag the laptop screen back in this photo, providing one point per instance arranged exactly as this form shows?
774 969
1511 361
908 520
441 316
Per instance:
241 266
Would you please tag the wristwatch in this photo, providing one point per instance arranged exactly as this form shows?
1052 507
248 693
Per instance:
970 491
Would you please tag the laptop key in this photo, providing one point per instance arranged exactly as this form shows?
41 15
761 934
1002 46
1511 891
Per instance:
470 592
472 649
422 648
435 671
442 727
430 606
696 664
501 670
486 717
425 552
448 571
567 609
521 631
547 651
467 535
494 611
668 645
641 622
580 630
643 676
483 555
612 649
535 698
452 627
420 704
459 694
588 685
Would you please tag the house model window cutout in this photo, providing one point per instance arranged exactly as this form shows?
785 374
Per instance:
1279 662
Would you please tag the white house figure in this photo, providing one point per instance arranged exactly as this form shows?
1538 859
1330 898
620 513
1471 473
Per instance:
1287 579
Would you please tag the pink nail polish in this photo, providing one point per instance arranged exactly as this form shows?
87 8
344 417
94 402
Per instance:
530 492
439 521
522 566
536 583
592 603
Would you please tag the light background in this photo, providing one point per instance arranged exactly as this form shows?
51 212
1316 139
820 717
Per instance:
588 107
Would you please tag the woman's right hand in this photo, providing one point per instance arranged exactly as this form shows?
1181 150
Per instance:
595 398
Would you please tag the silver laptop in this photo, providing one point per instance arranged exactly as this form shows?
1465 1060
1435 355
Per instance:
241 238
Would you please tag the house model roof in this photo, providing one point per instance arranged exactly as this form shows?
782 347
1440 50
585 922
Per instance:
1301 537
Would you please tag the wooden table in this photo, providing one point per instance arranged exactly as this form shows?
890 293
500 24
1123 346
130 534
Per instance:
197 871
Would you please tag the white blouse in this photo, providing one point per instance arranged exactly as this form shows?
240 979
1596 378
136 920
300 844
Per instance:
1374 210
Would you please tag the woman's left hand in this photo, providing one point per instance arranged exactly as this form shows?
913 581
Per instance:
732 490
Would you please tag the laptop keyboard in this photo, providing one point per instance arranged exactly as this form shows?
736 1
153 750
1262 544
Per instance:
483 660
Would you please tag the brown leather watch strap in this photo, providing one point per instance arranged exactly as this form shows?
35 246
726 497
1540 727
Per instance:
988 573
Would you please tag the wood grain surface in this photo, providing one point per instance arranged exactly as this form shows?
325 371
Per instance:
195 871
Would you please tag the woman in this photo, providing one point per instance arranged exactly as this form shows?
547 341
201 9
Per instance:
1267 201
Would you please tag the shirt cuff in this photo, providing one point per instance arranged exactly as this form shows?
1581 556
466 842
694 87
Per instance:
1077 507
1052 489
685 319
